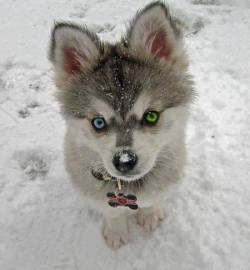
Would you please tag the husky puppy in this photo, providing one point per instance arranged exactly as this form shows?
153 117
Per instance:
125 106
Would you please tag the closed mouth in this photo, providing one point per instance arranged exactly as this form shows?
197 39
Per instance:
129 178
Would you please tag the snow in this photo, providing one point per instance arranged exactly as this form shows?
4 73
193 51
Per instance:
45 225
125 157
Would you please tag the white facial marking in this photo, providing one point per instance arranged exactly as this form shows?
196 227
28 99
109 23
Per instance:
140 106
102 108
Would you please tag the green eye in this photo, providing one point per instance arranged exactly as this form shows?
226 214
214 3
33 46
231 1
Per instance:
150 118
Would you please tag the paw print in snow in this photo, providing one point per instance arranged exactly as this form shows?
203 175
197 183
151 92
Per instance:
34 163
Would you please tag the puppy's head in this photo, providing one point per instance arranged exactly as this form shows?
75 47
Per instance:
126 101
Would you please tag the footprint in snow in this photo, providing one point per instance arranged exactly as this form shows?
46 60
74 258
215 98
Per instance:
191 23
34 163
35 86
26 111
194 25
197 26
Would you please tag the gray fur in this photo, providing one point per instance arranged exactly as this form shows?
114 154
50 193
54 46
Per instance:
119 81
122 82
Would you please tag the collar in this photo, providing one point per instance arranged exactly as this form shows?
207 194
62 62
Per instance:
102 175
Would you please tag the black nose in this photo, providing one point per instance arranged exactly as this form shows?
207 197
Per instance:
124 161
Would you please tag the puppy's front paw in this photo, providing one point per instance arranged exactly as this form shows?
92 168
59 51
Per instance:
115 233
150 218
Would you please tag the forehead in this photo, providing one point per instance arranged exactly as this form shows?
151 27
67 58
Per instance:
121 81
121 85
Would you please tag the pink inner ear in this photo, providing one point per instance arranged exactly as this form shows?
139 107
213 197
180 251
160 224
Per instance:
159 47
71 61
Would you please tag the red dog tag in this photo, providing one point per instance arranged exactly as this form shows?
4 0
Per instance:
122 200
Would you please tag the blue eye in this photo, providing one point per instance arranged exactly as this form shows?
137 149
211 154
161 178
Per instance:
99 123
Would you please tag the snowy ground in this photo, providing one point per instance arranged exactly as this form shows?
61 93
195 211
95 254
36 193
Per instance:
45 225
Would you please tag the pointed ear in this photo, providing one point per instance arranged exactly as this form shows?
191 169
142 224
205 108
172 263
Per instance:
73 49
155 34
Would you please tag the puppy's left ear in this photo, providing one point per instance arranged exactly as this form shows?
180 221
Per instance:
153 33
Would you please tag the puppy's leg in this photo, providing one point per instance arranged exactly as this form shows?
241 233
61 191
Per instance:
115 229
151 217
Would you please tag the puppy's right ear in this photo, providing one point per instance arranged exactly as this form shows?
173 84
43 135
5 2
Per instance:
73 49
